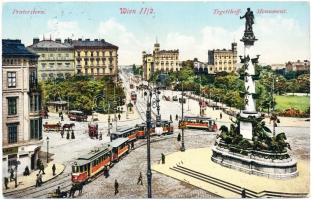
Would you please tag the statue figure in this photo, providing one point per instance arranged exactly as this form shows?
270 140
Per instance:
249 16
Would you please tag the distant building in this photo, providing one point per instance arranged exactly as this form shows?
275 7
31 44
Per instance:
21 104
56 59
96 58
298 66
160 60
223 60
200 67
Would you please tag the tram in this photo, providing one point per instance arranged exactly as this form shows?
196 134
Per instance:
204 123
120 147
129 133
166 128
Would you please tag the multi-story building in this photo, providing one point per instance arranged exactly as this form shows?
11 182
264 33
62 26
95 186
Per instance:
96 58
160 60
21 121
298 66
222 60
56 58
200 67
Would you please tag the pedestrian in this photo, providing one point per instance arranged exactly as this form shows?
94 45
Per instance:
59 114
38 163
11 174
119 116
68 135
58 191
163 158
220 115
6 182
243 193
176 117
116 187
53 169
62 133
40 179
37 181
62 117
132 145
171 119
178 137
41 168
72 134
140 179
26 172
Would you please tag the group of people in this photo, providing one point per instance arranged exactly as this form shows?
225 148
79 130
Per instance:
10 179
68 135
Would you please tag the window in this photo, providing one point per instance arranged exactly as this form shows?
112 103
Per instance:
43 65
11 79
51 55
12 133
67 55
36 129
35 103
59 55
51 65
43 55
12 105
12 160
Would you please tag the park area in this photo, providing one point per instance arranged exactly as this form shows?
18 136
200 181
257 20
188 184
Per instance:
301 103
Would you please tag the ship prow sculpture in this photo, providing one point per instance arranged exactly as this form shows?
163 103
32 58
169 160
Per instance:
249 145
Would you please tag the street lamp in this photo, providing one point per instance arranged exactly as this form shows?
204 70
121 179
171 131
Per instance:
182 148
47 149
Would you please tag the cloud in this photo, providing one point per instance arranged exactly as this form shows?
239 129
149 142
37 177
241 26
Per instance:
279 39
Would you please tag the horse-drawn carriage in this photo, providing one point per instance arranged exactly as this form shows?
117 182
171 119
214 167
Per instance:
166 98
93 130
52 127
67 193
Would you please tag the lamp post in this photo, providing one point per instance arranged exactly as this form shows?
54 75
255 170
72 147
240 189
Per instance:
47 149
182 148
148 118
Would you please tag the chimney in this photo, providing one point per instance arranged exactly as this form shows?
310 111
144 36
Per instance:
102 40
96 40
87 39
35 40
58 40
80 39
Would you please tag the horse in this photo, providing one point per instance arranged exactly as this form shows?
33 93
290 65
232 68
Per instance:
68 126
74 188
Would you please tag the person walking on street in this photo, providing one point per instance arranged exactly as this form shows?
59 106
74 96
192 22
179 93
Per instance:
40 179
42 168
72 134
37 181
6 182
68 135
53 169
119 116
62 133
220 115
176 117
58 191
171 119
116 187
163 158
38 163
140 179
11 174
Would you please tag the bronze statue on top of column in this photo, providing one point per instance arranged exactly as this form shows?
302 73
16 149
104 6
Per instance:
249 37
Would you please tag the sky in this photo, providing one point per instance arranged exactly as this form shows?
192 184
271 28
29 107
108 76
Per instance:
192 27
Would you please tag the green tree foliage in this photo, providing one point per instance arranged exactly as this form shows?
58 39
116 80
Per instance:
81 93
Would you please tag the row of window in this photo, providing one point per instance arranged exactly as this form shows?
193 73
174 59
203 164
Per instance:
92 63
97 70
11 79
35 104
46 76
167 58
93 53
35 131
52 55
51 65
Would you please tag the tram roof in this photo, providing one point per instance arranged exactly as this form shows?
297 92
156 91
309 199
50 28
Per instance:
124 130
118 142
84 159
198 117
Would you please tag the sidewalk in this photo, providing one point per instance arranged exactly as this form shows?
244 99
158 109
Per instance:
28 181
199 161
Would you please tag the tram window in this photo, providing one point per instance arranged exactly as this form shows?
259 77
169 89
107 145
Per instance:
81 169
74 169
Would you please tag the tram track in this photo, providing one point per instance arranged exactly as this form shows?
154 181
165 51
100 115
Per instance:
64 180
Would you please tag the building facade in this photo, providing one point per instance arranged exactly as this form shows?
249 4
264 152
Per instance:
21 121
223 60
298 65
160 60
56 59
200 67
96 58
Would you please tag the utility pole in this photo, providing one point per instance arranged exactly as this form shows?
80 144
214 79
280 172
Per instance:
148 118
182 148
